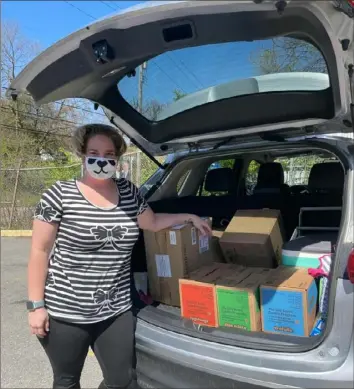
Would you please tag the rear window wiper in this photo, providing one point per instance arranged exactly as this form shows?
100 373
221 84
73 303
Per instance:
223 142
264 136
271 137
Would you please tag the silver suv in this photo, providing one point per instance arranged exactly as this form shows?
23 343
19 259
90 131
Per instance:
238 84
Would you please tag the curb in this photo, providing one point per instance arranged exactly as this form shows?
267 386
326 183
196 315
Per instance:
16 233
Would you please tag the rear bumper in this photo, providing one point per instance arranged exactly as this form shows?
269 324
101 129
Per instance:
168 359
161 364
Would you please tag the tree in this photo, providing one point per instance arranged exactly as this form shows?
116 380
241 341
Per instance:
27 131
31 136
151 109
16 51
178 94
289 55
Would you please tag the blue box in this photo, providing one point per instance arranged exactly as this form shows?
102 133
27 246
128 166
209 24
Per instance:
319 326
289 302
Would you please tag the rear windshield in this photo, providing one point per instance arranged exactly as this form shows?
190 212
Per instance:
183 79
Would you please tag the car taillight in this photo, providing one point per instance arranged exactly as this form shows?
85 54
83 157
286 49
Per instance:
350 267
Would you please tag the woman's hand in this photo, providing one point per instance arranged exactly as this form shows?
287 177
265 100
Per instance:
148 220
201 225
39 322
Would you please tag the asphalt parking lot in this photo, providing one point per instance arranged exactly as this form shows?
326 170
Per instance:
23 362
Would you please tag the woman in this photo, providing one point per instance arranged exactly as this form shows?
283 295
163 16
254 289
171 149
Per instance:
82 297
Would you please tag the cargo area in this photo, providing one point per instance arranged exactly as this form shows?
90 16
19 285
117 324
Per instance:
263 279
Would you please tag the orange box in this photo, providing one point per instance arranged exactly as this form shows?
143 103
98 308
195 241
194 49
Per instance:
198 296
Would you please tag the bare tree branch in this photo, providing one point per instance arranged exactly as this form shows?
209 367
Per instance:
289 55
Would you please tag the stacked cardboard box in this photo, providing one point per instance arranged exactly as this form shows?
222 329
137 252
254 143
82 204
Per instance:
223 295
281 300
238 299
173 254
289 302
249 292
253 238
198 301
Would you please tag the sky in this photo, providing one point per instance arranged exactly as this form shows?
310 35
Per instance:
187 70
49 21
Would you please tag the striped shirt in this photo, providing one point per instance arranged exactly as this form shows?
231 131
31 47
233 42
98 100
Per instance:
89 270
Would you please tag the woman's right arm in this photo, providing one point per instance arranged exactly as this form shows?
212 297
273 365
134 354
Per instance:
43 238
47 218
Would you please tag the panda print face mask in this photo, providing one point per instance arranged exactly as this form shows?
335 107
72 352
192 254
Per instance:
100 168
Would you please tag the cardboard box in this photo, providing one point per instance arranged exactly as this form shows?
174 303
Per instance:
172 254
215 246
253 238
238 299
198 298
289 302
217 233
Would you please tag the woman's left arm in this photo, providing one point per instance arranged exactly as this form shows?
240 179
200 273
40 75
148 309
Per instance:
148 220
151 221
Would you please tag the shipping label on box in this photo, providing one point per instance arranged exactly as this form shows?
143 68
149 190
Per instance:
238 300
173 254
289 302
163 266
253 238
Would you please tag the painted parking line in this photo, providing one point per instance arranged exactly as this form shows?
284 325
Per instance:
16 233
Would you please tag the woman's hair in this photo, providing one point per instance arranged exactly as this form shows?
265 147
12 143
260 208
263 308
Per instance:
84 133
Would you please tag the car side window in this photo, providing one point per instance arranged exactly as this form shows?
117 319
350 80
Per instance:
297 170
251 176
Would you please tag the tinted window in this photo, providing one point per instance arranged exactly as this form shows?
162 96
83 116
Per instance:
179 80
251 176
297 169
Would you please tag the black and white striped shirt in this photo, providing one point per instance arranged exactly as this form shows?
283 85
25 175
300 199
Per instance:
89 271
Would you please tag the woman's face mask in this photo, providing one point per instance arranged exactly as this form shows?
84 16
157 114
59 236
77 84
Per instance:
100 168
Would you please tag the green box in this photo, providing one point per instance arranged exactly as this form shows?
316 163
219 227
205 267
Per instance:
238 301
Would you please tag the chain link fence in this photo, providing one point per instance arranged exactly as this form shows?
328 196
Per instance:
297 170
136 167
22 185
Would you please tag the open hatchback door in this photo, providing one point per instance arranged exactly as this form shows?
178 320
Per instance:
105 62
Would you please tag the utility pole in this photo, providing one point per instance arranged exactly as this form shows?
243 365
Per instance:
142 68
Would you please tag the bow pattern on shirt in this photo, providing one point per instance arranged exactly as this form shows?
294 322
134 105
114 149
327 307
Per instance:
109 235
45 212
106 299
50 279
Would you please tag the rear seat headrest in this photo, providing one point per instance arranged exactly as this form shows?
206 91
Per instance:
270 175
326 176
218 180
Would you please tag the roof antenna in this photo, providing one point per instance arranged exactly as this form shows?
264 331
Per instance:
280 5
